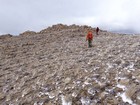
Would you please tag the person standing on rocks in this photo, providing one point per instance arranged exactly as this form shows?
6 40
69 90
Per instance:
89 37
97 31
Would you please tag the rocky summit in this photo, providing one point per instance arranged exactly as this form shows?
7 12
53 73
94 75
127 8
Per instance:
56 67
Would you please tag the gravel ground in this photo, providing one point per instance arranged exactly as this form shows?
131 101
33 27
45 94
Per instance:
55 67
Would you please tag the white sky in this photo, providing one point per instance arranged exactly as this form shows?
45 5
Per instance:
17 16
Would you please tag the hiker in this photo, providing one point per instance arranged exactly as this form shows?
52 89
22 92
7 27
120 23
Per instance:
89 37
97 30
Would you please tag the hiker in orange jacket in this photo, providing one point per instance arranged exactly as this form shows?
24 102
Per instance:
89 37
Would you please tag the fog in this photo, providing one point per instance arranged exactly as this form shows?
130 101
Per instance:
17 16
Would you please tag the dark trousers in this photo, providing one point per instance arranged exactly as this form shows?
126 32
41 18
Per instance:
89 43
96 32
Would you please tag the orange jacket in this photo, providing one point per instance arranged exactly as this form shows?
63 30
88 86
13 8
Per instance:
89 36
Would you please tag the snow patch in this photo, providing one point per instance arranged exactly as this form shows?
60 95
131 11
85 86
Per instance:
91 91
65 102
74 94
123 95
126 99
138 97
51 96
87 83
131 66
109 65
121 86
85 101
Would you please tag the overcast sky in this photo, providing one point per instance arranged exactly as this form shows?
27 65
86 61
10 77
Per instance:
17 16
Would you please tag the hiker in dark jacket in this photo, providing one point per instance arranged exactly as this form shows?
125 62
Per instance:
97 30
89 37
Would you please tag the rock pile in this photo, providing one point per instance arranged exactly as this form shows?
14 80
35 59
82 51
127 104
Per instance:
61 27
6 36
28 33
57 68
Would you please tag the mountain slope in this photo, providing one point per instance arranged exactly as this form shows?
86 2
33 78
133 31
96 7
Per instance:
55 67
